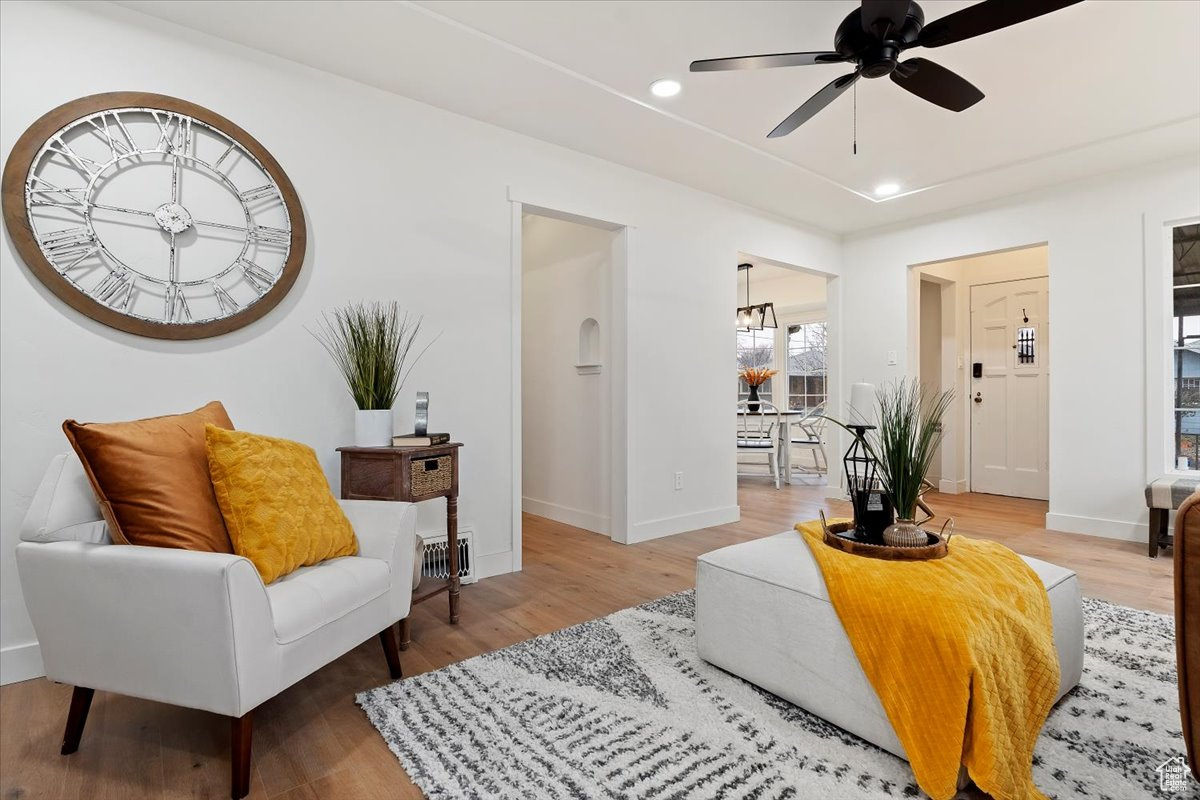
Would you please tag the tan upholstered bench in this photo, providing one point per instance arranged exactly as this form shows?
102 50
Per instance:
1163 496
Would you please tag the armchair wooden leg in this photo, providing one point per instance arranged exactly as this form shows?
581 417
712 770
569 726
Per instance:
242 730
81 703
405 633
391 651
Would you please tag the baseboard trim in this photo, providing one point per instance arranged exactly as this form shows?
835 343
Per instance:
952 487
669 526
836 493
575 517
1095 526
21 662
494 564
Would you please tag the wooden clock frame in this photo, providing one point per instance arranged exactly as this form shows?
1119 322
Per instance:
16 218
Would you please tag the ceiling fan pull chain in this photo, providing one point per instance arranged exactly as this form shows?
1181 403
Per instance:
854 117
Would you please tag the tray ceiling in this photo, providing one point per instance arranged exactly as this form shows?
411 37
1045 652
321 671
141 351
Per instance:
1094 88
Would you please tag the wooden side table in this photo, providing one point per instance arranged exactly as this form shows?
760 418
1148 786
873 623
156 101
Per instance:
410 474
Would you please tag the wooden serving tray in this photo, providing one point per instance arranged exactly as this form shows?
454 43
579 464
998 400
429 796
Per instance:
835 538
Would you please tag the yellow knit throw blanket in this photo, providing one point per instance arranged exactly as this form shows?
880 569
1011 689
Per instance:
961 653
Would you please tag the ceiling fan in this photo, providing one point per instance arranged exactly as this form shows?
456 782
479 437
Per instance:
873 36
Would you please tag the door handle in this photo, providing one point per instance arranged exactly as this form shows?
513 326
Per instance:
978 397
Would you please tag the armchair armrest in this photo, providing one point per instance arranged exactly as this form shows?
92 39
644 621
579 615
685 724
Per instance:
181 627
387 531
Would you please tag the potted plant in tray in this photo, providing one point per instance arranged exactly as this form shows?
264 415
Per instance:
371 343
910 430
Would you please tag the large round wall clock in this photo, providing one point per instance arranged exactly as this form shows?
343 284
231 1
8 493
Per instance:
153 215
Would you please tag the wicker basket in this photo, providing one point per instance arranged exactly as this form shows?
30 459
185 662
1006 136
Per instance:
431 475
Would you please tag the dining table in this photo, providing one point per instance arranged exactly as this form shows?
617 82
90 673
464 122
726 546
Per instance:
783 429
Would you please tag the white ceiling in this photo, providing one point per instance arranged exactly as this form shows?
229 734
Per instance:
1093 88
781 286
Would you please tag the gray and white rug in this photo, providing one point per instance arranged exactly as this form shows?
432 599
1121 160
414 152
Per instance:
621 707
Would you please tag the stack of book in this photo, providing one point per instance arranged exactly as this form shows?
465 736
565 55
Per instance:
414 440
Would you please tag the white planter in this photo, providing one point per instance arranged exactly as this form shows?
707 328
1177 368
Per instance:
373 428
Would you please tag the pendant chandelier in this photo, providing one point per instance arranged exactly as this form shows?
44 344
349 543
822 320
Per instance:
754 317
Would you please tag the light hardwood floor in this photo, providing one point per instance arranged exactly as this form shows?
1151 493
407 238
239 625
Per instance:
312 742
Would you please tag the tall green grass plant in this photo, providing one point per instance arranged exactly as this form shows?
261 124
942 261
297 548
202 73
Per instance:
371 343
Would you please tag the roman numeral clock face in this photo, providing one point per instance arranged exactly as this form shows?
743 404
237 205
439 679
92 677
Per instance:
153 215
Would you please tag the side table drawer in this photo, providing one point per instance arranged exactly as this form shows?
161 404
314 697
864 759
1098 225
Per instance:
431 476
370 478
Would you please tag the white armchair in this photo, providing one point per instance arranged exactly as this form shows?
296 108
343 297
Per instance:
199 629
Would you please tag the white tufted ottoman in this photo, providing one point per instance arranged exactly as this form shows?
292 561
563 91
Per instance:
763 614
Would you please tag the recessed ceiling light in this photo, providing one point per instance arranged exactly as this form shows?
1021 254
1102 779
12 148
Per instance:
886 189
665 87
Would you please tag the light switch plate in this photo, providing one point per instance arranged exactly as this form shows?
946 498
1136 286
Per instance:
891 358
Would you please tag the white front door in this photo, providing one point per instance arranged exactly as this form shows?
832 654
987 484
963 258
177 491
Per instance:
1010 374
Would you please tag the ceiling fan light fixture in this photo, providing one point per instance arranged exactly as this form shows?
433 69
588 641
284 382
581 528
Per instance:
887 189
874 36
666 87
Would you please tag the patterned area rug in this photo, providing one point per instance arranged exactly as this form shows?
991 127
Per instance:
621 707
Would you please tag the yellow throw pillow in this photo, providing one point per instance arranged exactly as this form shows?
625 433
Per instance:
277 505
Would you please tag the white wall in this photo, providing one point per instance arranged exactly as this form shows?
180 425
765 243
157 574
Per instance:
403 201
565 412
1094 231
1008 265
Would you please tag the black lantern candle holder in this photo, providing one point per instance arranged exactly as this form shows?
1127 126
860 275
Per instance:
872 507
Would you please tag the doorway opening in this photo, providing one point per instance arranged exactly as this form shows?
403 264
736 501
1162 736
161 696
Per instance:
571 372
983 331
798 350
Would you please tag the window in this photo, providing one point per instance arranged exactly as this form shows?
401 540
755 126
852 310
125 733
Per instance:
1185 345
755 349
806 351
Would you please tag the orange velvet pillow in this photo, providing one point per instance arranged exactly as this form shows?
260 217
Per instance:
151 478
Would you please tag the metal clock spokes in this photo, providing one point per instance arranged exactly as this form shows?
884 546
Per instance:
191 222
97 149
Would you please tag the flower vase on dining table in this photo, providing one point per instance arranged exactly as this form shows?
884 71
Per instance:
753 402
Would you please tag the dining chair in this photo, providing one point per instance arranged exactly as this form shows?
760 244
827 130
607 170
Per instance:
757 435
806 434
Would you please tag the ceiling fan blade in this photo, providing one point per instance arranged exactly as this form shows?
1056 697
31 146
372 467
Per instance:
985 17
766 61
935 83
814 104
881 16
